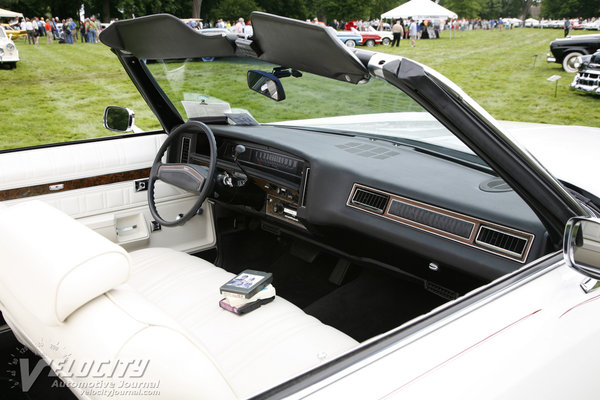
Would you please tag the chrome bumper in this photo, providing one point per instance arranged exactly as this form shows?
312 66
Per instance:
587 81
550 58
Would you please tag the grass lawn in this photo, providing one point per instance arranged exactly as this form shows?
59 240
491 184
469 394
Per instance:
496 68
58 92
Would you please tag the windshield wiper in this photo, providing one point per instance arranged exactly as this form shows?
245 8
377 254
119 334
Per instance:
585 197
456 156
315 129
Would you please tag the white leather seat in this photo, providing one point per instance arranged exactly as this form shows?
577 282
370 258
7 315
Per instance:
68 293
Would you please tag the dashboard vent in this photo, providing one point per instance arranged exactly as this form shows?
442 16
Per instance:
367 150
185 150
504 242
432 219
370 200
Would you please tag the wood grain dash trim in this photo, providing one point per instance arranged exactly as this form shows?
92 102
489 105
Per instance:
82 183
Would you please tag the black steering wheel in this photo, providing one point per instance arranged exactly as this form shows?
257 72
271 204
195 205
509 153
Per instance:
194 178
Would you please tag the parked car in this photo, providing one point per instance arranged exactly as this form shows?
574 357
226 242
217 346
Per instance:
587 79
13 31
9 55
593 25
575 24
386 36
416 249
532 23
370 38
566 50
350 39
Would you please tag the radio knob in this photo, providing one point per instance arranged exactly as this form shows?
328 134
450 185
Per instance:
278 208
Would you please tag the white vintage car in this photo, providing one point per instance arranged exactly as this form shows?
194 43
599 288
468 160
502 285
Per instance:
415 249
9 54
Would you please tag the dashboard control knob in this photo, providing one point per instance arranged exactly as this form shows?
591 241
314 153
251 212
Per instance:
278 208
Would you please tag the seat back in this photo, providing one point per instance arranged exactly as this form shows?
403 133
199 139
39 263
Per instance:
63 292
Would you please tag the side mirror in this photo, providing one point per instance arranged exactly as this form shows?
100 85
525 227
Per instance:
119 119
266 84
581 246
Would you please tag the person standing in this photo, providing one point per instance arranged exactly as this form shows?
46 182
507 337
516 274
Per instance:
412 32
91 30
239 26
29 29
83 30
49 34
54 28
398 32
68 30
248 30
36 30
41 27
567 27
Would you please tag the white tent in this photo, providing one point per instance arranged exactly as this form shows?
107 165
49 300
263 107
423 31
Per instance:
419 10
9 14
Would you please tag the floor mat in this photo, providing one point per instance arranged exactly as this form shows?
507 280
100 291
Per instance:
373 303
301 282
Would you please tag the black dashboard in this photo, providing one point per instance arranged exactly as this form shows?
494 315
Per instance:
357 193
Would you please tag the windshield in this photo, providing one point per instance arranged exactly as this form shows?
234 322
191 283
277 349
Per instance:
203 88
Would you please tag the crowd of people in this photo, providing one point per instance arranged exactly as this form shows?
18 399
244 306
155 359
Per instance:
54 29
69 31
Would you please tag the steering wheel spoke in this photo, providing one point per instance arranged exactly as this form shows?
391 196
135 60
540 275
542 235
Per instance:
193 178
188 177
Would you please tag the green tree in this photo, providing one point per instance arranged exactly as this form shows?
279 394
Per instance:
570 8
299 9
463 8
234 9
346 9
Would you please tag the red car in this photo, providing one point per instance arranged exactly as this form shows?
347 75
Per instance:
370 38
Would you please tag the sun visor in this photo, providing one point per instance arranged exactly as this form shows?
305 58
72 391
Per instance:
306 47
164 36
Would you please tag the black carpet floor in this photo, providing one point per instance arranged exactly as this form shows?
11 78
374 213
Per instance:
373 303
369 302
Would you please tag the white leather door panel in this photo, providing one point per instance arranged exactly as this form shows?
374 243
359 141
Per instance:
100 205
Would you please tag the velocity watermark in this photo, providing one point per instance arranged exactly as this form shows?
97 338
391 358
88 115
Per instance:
108 378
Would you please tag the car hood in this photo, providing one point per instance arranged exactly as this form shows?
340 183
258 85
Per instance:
568 152
576 39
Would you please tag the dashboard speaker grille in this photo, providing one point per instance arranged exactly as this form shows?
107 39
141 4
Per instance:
501 241
370 200
432 219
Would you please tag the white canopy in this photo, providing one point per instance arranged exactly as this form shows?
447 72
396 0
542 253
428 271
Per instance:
419 10
9 14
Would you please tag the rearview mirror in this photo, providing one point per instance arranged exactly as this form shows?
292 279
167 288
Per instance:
118 119
581 246
266 84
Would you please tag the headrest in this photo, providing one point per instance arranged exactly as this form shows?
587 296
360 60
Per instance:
52 264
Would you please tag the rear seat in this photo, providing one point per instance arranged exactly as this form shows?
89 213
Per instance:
163 307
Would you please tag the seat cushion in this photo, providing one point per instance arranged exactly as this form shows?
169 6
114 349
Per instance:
58 261
255 351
